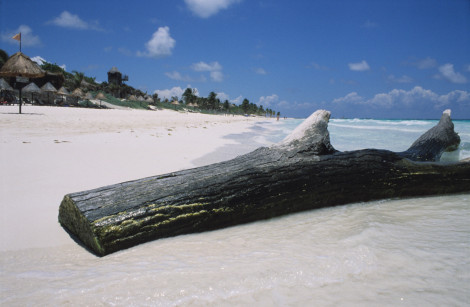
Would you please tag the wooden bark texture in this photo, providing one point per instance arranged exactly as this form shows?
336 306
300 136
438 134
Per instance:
302 172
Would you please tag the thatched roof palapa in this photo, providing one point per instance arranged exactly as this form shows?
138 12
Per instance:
48 87
63 91
132 97
20 64
175 103
31 88
88 96
100 96
5 86
78 92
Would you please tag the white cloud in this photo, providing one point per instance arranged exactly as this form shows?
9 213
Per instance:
207 8
237 100
168 93
214 69
27 36
268 101
417 96
447 71
260 71
349 98
160 45
203 66
217 76
40 60
222 96
175 75
426 63
467 68
361 66
68 20
402 79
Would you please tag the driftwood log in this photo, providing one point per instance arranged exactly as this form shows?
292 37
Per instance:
302 172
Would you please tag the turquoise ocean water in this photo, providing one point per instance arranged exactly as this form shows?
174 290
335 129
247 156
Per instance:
395 135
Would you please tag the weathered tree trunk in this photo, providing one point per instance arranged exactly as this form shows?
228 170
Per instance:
302 172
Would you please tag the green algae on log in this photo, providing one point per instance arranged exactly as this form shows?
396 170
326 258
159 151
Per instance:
302 172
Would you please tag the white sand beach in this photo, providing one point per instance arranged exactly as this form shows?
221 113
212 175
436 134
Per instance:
47 152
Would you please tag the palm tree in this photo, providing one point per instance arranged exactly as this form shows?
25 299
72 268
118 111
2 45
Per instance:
77 78
188 96
245 105
212 100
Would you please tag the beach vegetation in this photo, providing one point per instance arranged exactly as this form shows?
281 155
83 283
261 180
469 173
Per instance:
212 105
3 57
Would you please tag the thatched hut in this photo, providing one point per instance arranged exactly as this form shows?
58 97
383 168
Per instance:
6 90
48 88
31 88
4 86
20 65
57 79
78 93
63 91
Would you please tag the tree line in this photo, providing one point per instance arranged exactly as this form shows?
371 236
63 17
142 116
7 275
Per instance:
214 104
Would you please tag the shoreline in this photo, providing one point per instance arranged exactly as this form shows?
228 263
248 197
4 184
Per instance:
49 152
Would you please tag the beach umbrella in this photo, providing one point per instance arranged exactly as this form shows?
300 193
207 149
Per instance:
64 92
132 98
31 88
140 98
175 103
149 99
48 88
100 96
88 96
78 92
22 67
4 86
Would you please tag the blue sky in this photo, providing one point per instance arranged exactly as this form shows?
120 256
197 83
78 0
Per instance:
379 59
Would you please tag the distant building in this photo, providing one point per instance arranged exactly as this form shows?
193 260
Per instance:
115 76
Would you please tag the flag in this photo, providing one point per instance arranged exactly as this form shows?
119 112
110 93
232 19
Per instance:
17 37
